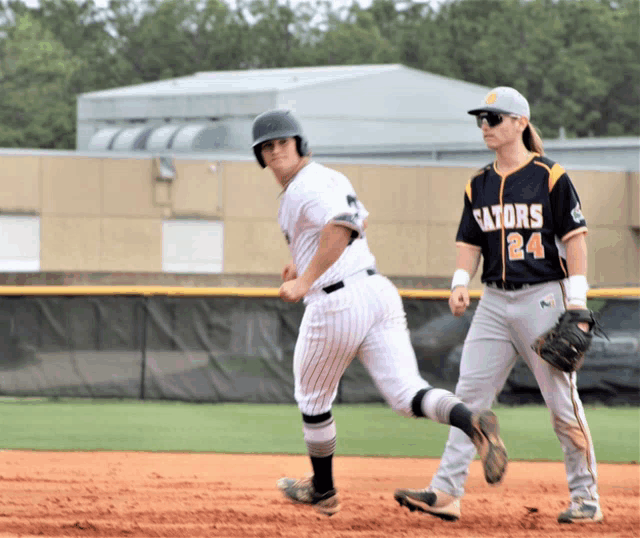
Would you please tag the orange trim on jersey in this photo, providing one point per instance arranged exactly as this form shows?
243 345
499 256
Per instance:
495 166
572 233
502 231
502 182
581 230
564 269
563 289
554 173
469 245
467 190
543 166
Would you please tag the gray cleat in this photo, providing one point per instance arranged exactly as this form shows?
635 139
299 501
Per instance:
581 511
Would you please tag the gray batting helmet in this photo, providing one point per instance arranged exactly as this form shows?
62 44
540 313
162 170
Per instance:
275 124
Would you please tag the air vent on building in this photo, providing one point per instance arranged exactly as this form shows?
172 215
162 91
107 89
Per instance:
103 138
131 138
200 137
161 137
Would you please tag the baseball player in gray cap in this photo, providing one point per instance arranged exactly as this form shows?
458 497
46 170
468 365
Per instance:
522 215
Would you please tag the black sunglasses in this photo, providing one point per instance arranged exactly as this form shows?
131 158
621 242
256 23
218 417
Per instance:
492 118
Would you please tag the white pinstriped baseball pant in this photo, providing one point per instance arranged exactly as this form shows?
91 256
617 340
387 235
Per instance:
366 318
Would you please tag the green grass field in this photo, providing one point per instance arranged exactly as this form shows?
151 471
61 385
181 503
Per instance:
366 430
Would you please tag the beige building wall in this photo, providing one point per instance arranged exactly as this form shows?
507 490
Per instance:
198 191
253 242
70 243
106 214
606 200
20 185
633 179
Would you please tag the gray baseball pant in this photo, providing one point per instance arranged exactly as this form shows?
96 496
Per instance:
504 325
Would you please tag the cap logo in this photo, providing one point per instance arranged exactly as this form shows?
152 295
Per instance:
491 98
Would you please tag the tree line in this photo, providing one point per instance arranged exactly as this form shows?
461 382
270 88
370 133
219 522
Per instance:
577 61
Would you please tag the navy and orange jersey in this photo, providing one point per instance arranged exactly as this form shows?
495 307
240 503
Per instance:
520 221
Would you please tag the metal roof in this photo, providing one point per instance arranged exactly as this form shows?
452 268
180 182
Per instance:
341 105
256 80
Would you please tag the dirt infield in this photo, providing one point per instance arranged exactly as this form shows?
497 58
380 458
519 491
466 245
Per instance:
114 494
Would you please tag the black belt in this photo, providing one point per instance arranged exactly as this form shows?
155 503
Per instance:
508 286
339 285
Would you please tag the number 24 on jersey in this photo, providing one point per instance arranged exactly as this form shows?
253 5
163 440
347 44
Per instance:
534 246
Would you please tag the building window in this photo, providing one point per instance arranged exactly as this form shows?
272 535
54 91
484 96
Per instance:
19 243
192 246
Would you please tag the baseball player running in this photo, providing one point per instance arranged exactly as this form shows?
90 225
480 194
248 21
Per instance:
522 214
350 309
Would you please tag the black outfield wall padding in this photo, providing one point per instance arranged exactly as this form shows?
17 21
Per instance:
240 349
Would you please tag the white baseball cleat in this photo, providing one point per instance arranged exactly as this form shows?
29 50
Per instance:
430 501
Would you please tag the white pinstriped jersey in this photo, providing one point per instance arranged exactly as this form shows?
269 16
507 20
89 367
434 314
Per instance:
364 317
316 196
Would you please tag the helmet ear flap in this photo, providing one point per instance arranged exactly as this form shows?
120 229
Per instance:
257 150
302 145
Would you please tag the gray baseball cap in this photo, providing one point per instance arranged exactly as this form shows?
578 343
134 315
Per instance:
504 100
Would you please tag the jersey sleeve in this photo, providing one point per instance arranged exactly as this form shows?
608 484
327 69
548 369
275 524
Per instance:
469 230
338 204
565 208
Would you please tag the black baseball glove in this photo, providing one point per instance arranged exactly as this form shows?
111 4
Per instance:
565 344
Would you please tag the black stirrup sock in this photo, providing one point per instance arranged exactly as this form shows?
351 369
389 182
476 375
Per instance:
460 417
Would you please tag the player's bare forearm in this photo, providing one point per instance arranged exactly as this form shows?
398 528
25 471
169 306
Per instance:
577 265
334 239
577 254
467 258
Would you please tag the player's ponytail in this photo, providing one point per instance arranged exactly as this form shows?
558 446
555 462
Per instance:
532 139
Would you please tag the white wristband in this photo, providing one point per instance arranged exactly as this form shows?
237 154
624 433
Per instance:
460 278
577 290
